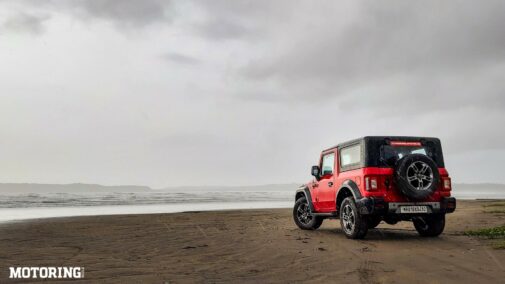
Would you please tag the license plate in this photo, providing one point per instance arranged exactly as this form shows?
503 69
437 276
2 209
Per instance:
414 209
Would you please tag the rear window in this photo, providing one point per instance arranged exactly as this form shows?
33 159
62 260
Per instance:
384 151
391 154
350 155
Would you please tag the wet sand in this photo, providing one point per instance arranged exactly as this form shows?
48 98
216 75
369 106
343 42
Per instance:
252 246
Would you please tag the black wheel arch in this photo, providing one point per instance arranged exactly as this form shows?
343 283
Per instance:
303 191
348 188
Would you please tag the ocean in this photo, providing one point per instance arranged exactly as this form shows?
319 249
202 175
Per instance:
20 206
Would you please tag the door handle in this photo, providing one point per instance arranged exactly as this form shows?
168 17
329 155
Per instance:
330 184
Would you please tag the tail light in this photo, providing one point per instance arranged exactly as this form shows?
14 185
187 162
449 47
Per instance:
446 183
371 183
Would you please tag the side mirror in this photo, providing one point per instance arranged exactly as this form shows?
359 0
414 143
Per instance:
315 171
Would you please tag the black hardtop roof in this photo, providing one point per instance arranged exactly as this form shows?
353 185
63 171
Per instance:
381 138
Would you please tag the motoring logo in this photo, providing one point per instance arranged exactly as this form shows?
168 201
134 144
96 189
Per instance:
64 272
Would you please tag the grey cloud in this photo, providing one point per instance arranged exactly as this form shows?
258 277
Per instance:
181 58
422 43
268 85
225 20
124 13
127 12
218 29
25 23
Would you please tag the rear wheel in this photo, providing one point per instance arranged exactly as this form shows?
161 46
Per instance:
430 226
353 224
303 217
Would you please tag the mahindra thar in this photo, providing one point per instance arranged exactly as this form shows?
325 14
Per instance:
378 178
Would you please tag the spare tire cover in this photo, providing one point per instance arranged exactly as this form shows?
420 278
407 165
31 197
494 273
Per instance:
417 176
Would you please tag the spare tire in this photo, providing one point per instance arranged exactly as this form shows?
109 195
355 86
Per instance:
417 176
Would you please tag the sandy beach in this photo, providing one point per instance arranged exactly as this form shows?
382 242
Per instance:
252 246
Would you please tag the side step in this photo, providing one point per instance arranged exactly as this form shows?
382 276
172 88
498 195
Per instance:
331 214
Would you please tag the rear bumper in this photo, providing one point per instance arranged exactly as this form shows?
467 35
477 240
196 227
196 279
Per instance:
377 206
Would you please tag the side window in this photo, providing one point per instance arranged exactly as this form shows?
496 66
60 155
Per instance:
350 156
328 164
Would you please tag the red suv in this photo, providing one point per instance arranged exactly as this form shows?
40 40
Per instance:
378 178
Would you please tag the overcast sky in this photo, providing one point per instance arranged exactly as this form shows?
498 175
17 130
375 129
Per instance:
164 93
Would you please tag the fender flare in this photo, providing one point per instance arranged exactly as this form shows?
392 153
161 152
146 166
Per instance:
353 187
305 191
365 205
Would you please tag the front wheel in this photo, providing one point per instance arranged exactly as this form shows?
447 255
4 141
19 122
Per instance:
303 217
353 224
430 226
